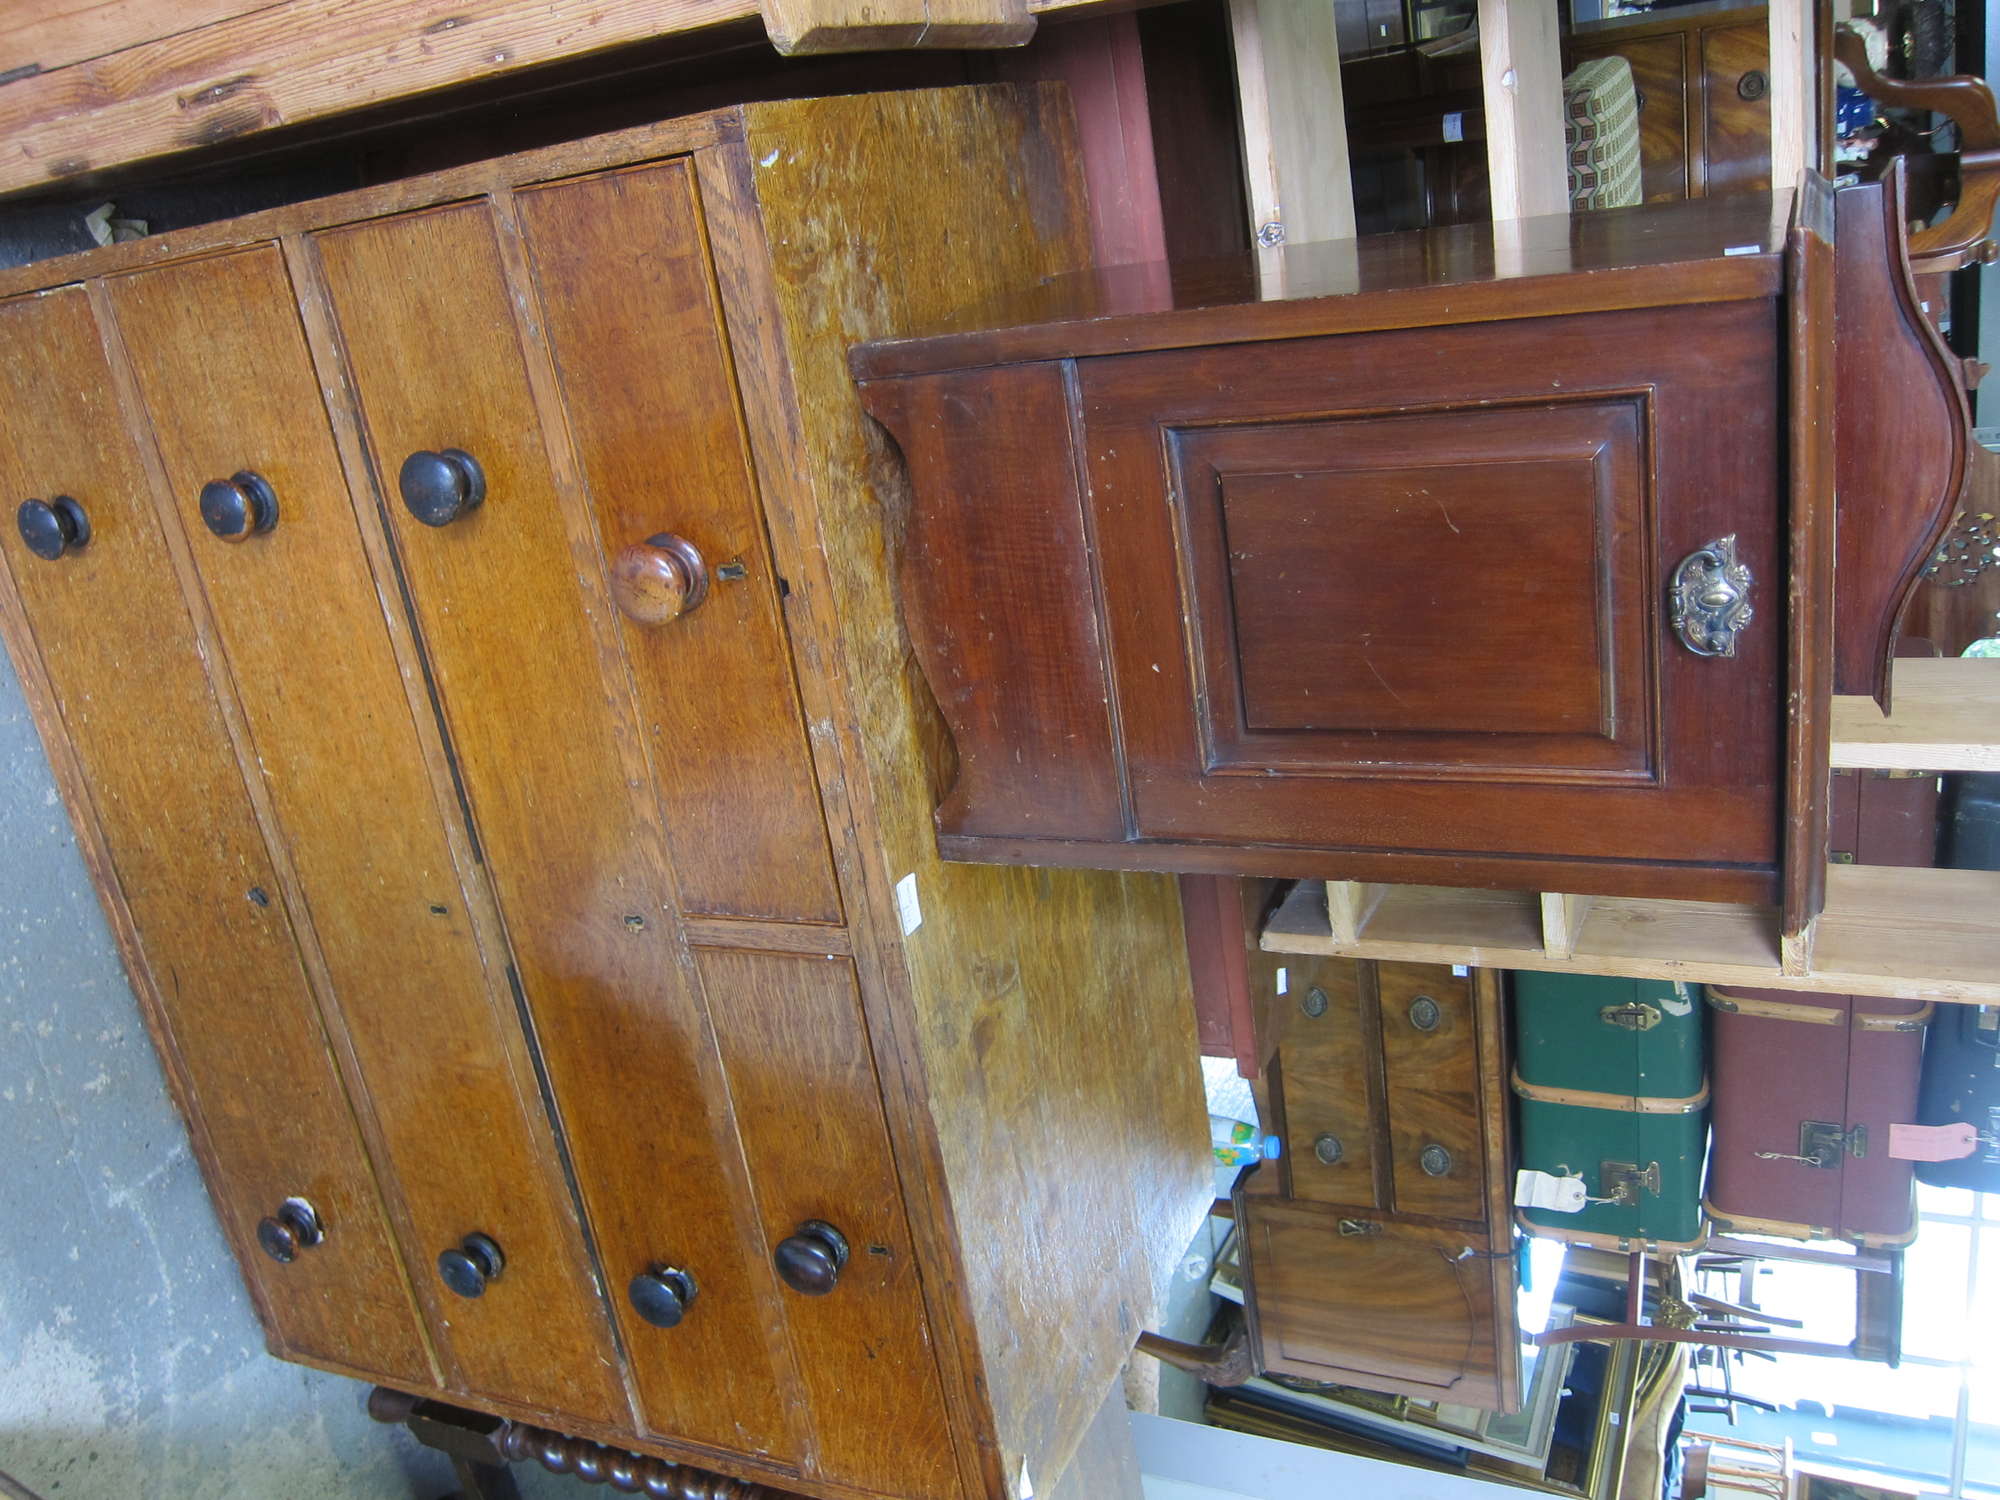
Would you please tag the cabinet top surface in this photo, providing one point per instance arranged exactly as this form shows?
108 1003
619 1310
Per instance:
1697 250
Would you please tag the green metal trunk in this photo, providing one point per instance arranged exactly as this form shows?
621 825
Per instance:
1612 1087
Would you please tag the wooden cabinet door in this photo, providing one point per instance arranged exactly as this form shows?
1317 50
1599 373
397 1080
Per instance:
1431 1053
105 637
1330 1089
1736 109
1407 591
226 377
1363 1301
1660 77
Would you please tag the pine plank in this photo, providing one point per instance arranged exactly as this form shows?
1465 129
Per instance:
1947 718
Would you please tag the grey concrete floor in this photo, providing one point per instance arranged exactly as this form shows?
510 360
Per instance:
130 1365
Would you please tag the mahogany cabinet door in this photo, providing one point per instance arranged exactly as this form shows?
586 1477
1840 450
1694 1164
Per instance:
1407 591
629 302
1362 1300
1736 108
523 646
228 382
107 628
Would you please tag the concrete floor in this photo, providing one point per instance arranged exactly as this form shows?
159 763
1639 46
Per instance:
130 1365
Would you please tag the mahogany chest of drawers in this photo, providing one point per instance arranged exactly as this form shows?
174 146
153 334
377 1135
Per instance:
460 619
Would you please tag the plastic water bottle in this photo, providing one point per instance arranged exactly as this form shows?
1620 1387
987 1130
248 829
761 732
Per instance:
1237 1143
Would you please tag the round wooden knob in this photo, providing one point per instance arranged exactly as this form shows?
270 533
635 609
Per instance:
240 506
1435 1160
810 1259
438 488
658 580
52 527
468 1268
661 1294
294 1227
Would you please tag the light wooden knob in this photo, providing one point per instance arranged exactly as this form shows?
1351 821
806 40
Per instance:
658 580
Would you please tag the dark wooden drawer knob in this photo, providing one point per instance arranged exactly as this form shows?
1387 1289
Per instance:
240 506
1753 86
438 488
1425 1013
809 1260
1328 1150
658 580
294 1227
52 527
1313 1002
470 1267
661 1295
1435 1160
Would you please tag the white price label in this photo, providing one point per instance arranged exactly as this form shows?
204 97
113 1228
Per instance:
1563 1195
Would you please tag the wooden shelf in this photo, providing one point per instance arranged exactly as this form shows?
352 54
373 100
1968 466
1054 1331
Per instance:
1917 934
1947 718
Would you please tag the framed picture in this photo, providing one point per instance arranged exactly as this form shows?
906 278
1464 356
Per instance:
1827 1482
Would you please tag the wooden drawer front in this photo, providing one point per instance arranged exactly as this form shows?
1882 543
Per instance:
223 980
224 372
1329 1073
629 305
1430 1053
511 606
1736 109
809 1109
1365 1302
1659 73
1332 627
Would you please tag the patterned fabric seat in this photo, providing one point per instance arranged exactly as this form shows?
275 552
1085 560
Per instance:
1601 134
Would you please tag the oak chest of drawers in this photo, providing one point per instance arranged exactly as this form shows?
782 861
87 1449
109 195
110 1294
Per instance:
459 617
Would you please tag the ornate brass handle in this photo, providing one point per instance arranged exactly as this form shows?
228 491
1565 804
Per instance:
1710 598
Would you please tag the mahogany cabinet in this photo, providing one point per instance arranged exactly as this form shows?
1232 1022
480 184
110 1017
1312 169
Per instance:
1495 555
460 620
1378 1249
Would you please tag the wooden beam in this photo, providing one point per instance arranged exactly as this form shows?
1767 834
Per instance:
1562 919
1795 93
39 36
802 27
1349 904
1520 64
1294 121
1947 718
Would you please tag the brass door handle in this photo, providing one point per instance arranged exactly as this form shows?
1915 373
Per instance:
1709 601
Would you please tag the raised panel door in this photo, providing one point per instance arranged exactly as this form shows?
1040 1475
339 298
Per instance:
510 601
1407 591
108 629
223 368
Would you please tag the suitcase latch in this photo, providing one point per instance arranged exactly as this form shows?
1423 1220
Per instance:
1822 1144
1623 1181
1632 1016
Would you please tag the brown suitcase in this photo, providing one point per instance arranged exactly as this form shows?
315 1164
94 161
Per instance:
1806 1088
1884 818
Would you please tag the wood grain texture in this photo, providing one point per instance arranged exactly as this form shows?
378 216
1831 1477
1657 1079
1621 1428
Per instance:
1797 70
1331 1081
214 959
1433 1091
537 702
1736 110
791 1027
629 306
1911 933
994 995
1294 124
1898 476
39 36
228 384
1811 602
1520 69
293 62
802 27
1947 718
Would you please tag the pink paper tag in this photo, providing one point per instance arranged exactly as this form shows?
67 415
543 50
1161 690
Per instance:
1932 1142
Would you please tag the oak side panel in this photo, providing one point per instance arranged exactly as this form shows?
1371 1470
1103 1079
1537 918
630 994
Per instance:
995 1018
222 366
790 1029
511 605
629 304
218 967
